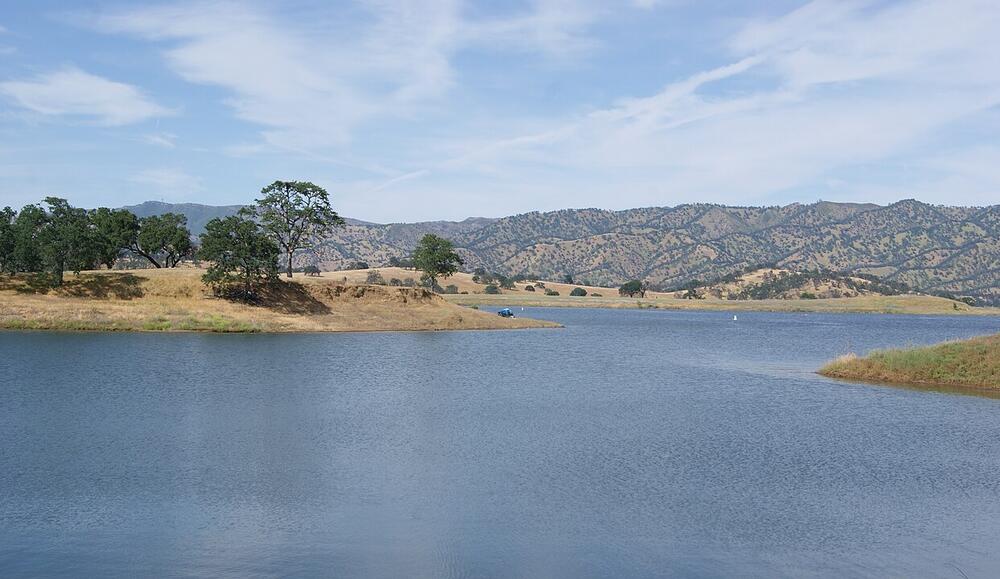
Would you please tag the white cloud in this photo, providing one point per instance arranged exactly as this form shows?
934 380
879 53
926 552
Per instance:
310 79
173 183
828 87
165 140
73 92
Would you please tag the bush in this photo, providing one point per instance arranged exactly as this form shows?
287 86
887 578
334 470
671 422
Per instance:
358 265
492 289
529 288
311 270
551 292
395 282
807 296
596 295
632 288
375 278
578 292
409 282
451 289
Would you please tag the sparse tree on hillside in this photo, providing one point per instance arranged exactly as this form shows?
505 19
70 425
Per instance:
578 292
294 214
436 257
242 255
163 237
115 230
66 241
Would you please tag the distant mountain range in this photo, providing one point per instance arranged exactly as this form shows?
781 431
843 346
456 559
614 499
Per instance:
928 247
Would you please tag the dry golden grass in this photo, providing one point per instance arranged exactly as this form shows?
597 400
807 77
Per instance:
609 298
971 363
176 300
905 304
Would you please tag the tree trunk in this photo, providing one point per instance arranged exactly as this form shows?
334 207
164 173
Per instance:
289 263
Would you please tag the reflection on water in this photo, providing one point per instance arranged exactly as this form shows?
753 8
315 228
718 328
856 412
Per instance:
630 443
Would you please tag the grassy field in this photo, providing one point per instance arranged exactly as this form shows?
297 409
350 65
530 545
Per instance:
609 298
176 300
971 363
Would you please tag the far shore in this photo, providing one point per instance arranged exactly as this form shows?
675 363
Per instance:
470 293
175 300
903 304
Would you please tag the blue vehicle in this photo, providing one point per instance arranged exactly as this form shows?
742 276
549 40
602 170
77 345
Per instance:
505 313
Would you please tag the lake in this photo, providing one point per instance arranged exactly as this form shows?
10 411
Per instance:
630 443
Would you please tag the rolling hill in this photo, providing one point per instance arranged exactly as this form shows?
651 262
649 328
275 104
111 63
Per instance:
927 247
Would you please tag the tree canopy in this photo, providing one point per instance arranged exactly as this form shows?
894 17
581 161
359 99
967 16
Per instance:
242 255
293 214
632 289
115 230
7 241
435 256
164 240
65 241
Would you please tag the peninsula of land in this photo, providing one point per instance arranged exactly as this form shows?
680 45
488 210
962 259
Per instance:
177 300
973 363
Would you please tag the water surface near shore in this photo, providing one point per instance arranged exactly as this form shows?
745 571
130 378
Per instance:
630 443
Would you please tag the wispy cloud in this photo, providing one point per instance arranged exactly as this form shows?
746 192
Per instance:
821 90
168 182
165 140
310 83
73 92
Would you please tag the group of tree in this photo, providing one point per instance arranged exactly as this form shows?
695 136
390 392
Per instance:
481 276
289 217
55 237
633 288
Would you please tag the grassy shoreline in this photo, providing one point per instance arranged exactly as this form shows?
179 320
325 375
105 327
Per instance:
972 364
902 304
175 300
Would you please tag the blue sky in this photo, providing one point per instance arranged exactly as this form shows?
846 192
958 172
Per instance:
446 109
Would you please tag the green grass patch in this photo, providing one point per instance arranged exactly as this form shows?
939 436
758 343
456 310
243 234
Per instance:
973 363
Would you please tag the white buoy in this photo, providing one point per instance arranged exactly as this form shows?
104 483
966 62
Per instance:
734 318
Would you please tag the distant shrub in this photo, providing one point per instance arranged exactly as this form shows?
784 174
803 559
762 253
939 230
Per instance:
464 293
807 296
492 289
409 282
596 295
578 292
395 282
358 265
632 289
311 270
551 292
539 284
529 288
375 278
451 289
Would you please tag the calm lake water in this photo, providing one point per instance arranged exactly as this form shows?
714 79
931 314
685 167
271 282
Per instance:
630 443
